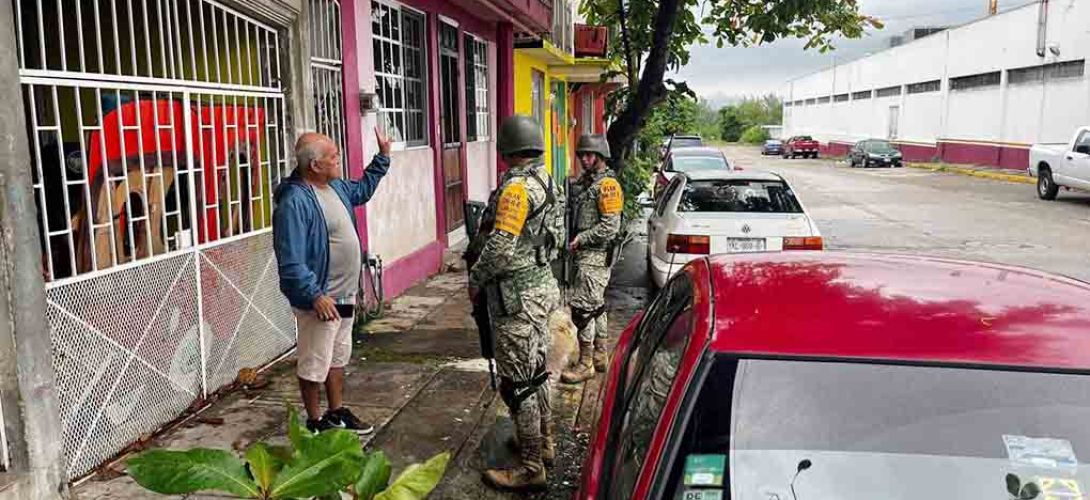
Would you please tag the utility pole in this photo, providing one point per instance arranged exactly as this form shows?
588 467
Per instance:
32 434
993 7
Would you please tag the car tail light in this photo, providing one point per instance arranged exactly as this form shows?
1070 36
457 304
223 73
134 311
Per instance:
803 243
688 243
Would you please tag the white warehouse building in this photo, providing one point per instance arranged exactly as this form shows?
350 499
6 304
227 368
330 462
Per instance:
980 93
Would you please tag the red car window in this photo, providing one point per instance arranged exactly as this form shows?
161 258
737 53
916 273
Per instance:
650 371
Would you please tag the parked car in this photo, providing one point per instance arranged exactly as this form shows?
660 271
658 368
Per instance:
817 375
874 153
713 212
1061 165
800 145
681 141
772 147
689 159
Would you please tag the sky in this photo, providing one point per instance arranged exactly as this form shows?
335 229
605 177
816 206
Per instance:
721 75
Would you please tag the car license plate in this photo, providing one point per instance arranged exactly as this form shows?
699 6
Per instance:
740 245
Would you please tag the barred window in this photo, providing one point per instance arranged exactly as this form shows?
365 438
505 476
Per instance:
1035 74
787 104
975 81
799 102
864 94
923 87
476 88
400 71
823 100
840 98
1067 69
811 101
889 91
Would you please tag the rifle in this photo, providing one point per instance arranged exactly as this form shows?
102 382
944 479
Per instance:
479 224
571 229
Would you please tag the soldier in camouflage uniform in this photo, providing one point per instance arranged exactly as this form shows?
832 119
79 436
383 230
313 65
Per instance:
513 269
597 210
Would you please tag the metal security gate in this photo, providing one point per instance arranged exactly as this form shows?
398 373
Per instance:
325 69
157 135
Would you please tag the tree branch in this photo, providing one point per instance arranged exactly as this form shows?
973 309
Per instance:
650 90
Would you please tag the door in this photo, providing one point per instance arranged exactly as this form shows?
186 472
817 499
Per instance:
560 130
894 121
1076 163
450 108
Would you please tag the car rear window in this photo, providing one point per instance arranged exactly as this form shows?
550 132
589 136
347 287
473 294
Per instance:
880 147
804 138
907 429
686 143
698 163
738 195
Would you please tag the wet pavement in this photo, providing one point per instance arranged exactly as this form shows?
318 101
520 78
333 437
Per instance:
921 212
418 376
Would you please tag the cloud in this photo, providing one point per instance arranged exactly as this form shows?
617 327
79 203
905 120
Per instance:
720 75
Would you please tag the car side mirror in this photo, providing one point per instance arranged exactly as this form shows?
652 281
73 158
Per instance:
1083 148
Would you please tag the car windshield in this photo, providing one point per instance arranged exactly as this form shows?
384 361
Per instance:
774 142
804 138
699 163
686 142
881 147
738 195
864 431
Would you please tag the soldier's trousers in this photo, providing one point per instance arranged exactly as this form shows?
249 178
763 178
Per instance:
589 294
522 343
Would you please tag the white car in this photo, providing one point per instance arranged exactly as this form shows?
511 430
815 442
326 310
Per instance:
715 212
1061 165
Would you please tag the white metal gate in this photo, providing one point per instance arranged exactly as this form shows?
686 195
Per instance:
157 131
325 69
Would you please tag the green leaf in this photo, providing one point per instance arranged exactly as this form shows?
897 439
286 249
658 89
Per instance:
173 472
325 463
297 432
417 480
375 476
265 464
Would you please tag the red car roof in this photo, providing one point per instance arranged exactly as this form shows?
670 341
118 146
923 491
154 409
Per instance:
898 308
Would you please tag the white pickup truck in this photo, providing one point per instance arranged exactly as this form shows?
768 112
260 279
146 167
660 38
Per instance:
1061 165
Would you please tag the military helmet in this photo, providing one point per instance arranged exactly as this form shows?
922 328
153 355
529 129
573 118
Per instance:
593 143
520 133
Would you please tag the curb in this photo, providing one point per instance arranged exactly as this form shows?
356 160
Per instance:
984 174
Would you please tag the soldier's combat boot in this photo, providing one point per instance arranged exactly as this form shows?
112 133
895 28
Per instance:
548 445
584 368
601 355
528 476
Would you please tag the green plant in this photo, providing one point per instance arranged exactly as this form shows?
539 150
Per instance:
754 135
634 181
315 466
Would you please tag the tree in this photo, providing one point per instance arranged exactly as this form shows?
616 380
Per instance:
730 125
755 134
656 35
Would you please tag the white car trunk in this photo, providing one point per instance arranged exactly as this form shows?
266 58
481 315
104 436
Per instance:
744 232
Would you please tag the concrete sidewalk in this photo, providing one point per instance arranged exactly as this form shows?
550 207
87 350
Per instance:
419 378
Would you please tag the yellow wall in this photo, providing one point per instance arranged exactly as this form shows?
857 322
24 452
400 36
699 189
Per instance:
524 66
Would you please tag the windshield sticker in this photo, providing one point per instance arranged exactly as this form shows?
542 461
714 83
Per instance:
1040 452
704 470
702 495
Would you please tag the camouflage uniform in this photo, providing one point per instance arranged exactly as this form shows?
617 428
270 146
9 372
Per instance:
597 213
514 270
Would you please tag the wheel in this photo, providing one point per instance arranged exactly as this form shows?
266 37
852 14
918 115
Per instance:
851 162
814 156
1046 187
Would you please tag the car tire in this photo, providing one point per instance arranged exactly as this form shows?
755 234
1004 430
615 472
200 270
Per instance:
1046 186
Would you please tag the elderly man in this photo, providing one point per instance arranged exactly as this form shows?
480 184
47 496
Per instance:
318 256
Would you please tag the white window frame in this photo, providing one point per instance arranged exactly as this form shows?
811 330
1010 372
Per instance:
588 113
388 114
481 113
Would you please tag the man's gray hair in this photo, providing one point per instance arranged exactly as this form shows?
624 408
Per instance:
307 152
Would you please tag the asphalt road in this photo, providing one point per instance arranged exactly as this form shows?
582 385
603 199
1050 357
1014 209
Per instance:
919 212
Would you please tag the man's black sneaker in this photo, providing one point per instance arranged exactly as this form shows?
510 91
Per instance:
344 418
322 424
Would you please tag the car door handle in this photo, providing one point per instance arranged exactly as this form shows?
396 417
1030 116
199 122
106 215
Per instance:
1070 157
